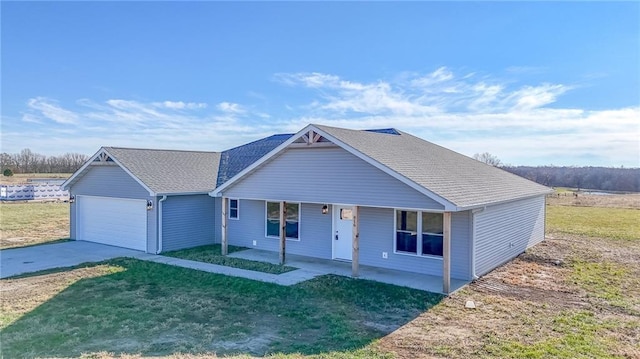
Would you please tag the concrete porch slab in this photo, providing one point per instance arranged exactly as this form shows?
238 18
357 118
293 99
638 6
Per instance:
319 266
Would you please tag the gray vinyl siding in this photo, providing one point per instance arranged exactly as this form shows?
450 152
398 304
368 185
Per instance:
504 231
377 235
113 181
188 221
327 175
314 230
108 181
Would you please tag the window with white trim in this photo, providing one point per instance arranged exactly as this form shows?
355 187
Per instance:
292 220
419 233
234 209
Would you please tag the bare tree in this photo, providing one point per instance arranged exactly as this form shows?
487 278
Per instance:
488 158
27 161
6 161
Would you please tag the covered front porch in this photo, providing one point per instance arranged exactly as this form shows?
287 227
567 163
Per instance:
346 226
319 266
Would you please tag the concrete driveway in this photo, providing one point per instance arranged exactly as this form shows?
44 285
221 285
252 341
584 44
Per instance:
47 256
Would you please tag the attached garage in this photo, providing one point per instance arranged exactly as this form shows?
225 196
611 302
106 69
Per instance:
144 200
120 222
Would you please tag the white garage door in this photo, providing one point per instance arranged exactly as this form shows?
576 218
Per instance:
115 221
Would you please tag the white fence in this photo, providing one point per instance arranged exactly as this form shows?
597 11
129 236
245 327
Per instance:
29 192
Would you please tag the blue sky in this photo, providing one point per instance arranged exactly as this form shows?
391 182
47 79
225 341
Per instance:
532 83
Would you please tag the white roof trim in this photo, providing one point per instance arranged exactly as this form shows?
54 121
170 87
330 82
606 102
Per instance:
102 150
448 206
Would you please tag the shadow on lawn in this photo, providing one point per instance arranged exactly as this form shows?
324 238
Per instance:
154 309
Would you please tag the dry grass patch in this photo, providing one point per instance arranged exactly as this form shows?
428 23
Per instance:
593 200
22 177
28 223
544 304
22 295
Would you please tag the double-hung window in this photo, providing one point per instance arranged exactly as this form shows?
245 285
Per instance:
419 233
234 209
292 220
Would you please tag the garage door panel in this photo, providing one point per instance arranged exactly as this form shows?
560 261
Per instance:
115 221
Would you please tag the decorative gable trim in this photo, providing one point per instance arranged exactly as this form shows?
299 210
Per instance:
102 158
311 138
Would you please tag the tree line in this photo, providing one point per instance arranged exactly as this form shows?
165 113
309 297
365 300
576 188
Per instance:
27 161
594 178
597 178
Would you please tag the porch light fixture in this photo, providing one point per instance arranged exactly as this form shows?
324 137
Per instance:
149 205
72 199
325 209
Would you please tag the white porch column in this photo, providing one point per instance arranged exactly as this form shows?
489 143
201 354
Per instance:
355 238
224 247
446 253
283 230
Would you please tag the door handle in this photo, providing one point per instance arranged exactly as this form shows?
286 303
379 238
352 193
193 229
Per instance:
336 235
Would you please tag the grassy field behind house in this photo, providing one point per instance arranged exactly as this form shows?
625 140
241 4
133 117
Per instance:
23 177
28 223
576 295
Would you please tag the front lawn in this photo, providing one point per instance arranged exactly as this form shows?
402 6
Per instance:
211 254
131 306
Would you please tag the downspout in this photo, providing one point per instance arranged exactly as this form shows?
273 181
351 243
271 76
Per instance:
474 276
159 249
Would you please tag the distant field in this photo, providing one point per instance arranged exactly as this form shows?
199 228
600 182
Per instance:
602 222
564 197
22 177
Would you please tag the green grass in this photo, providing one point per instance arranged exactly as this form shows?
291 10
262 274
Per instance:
23 224
211 254
156 309
577 335
615 223
612 283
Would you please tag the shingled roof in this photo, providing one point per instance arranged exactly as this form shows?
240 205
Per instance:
233 161
461 180
170 171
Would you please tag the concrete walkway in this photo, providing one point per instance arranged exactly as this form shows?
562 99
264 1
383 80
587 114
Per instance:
58 255
288 278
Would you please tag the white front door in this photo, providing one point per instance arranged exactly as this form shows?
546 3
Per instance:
343 232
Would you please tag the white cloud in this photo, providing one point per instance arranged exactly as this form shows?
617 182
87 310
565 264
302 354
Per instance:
179 105
48 109
231 108
440 75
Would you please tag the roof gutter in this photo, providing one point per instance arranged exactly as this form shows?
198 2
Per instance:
484 205
182 193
